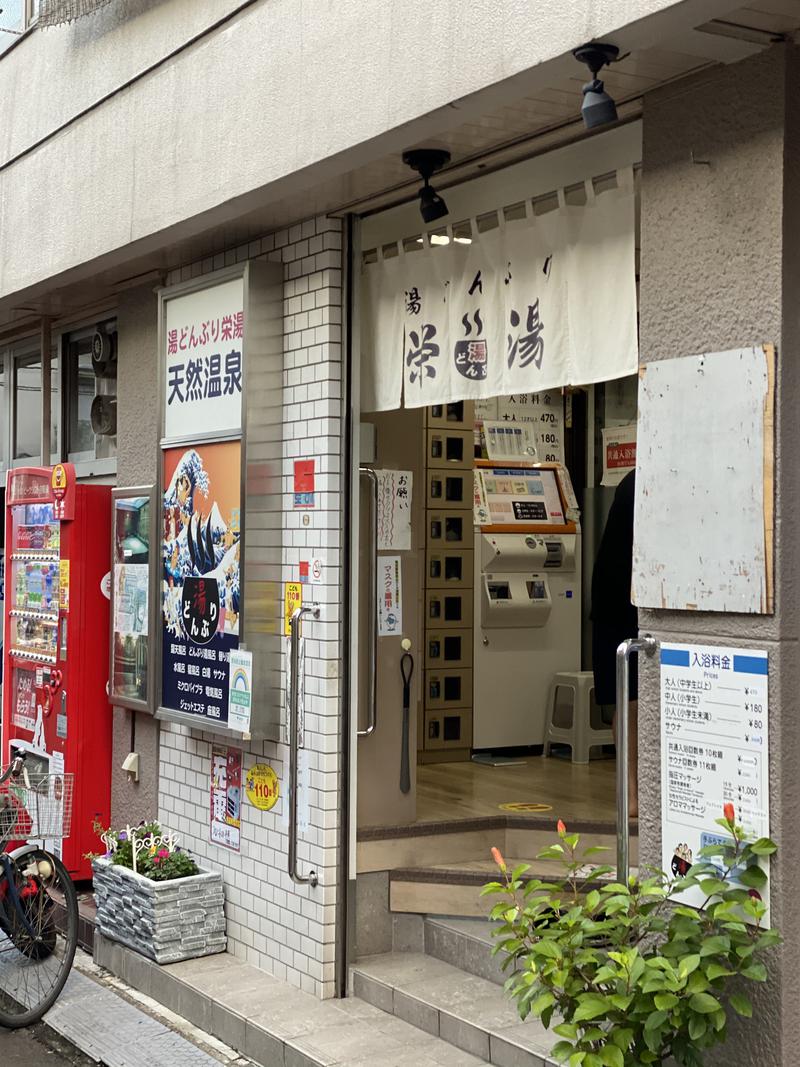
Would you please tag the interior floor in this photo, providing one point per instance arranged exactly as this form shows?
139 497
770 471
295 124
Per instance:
447 791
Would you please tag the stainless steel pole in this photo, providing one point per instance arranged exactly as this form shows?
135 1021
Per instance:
648 645
294 740
372 614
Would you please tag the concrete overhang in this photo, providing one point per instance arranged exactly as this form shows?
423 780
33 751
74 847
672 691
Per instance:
136 192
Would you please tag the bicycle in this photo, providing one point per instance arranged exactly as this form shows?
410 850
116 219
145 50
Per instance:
38 902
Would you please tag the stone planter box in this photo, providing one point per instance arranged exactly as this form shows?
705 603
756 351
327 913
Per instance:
165 921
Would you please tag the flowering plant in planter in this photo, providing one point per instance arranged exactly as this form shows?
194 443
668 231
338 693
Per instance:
153 897
147 850
626 974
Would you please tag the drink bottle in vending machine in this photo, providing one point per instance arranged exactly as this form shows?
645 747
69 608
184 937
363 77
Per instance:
55 649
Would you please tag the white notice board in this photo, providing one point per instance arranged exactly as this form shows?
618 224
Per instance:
704 484
714 750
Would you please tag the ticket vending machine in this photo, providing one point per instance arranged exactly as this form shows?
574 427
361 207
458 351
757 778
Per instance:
527 600
55 654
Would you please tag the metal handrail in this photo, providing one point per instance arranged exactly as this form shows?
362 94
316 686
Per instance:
372 720
648 645
294 740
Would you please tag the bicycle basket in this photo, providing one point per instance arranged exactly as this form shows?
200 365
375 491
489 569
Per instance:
36 806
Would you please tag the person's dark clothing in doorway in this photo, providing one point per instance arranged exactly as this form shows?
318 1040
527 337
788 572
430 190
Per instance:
614 617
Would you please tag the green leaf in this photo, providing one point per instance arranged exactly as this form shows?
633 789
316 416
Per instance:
753 877
716 970
562 1050
703 1003
590 1006
757 972
768 939
544 1000
611 1056
621 1001
763 847
697 1027
547 947
741 1005
698 983
665 1001
592 900
569 1030
654 1020
687 965
594 850
712 886
576 1059
622 1038
713 945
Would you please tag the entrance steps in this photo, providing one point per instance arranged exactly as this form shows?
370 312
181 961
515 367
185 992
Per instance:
470 1012
274 1024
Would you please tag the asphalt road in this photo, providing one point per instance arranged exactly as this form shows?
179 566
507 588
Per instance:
24 1048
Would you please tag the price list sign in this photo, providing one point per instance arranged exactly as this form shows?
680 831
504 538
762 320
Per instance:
714 749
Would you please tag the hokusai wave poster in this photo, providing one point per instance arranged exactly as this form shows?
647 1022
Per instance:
534 304
201 577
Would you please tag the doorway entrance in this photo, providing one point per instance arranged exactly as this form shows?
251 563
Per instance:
477 518
476 562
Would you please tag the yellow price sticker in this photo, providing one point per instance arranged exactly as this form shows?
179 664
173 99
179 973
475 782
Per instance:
292 600
262 787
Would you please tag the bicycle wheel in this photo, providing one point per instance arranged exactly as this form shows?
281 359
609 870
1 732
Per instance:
38 937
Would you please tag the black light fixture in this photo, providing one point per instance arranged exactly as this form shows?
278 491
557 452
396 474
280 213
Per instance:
598 109
426 161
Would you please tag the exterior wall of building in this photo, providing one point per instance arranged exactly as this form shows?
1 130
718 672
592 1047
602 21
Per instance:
137 464
286 929
720 270
311 91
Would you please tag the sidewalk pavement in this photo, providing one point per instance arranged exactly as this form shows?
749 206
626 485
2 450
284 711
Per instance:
118 1027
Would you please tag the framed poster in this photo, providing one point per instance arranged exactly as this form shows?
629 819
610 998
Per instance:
201 589
132 539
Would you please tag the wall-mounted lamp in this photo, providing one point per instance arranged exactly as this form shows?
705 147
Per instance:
598 109
426 161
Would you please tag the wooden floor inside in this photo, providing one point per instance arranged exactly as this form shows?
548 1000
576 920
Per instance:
466 790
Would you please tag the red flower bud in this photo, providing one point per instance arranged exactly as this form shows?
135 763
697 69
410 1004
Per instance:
561 827
497 856
730 813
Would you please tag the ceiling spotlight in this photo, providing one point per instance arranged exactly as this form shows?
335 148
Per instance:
598 109
426 161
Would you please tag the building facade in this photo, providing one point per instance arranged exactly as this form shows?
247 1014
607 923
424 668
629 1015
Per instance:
149 145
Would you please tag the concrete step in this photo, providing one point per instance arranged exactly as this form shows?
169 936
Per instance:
463 943
275 1024
470 1012
422 844
455 888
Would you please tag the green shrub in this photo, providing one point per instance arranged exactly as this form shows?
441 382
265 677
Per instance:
626 975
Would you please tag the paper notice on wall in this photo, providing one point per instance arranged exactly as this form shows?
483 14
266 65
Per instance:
714 751
544 413
619 452
226 796
394 510
390 604
240 689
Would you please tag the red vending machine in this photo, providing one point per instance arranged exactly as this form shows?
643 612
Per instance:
55 654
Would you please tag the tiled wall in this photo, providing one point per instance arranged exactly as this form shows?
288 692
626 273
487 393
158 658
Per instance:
286 929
